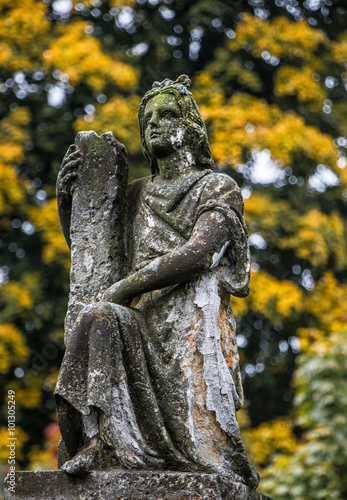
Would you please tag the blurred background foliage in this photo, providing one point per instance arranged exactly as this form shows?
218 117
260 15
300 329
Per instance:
270 78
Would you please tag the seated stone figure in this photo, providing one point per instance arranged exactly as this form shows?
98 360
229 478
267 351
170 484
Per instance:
154 383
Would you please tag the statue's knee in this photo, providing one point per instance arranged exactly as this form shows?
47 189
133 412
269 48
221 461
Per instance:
92 311
100 310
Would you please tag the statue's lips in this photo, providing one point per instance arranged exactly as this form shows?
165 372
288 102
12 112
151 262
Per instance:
154 135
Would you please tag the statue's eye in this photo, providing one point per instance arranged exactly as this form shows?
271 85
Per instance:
168 114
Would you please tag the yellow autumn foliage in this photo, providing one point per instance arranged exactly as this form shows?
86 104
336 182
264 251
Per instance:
11 191
249 110
46 220
13 349
18 298
18 294
13 136
236 70
240 306
291 80
321 344
118 115
28 390
291 136
232 69
11 152
268 440
309 338
117 4
339 49
24 27
227 126
12 127
21 436
318 238
274 299
327 302
207 92
246 122
280 37
80 55
268 217
267 39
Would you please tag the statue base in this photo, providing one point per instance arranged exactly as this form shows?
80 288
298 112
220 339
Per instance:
126 485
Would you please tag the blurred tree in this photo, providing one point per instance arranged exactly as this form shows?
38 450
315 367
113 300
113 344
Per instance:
315 468
270 79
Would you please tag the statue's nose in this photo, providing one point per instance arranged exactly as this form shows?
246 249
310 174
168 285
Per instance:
154 120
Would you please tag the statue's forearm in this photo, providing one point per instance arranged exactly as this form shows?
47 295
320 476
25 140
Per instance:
180 265
171 269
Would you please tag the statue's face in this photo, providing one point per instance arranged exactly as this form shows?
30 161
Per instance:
164 127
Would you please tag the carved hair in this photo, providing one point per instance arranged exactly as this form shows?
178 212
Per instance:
198 140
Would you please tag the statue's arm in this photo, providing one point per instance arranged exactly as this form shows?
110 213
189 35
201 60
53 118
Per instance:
209 239
66 176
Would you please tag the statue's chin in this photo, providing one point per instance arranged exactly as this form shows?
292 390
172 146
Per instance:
160 147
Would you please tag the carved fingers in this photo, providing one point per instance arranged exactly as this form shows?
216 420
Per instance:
118 293
108 294
69 170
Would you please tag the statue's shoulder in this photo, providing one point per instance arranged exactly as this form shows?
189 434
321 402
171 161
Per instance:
217 184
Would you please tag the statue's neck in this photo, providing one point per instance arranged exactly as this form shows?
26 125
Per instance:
178 163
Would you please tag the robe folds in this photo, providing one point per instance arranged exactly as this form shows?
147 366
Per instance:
160 381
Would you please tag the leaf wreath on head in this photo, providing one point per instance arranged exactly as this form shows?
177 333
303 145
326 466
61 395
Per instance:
182 84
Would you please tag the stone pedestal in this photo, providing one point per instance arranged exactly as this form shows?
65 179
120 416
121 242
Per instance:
126 485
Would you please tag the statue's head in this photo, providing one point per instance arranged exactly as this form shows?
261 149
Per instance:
196 138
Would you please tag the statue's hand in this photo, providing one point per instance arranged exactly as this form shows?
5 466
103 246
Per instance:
118 293
69 170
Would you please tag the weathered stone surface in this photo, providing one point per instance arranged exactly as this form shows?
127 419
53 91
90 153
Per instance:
114 485
97 221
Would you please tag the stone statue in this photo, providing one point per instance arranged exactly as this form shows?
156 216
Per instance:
150 377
